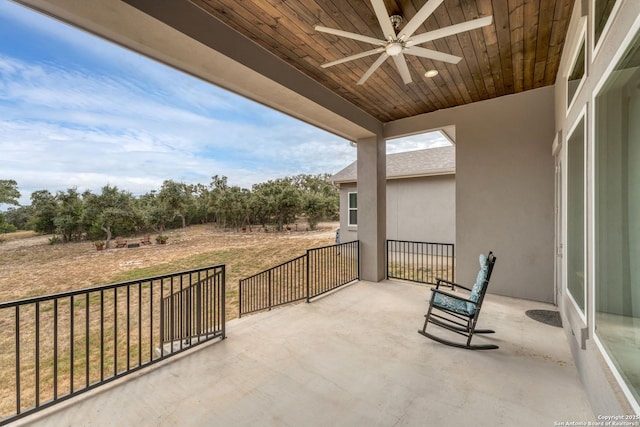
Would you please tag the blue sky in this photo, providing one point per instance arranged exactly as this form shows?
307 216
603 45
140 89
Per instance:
77 111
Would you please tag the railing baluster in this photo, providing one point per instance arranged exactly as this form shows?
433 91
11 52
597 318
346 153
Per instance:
139 324
151 320
37 355
87 363
115 332
199 310
181 313
172 314
55 348
71 343
207 307
101 335
270 288
161 318
18 403
128 327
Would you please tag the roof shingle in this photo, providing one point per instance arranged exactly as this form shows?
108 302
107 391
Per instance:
431 161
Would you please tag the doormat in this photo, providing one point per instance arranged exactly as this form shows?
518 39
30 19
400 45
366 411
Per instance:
548 317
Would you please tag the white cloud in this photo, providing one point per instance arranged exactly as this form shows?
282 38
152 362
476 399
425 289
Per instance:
65 129
417 142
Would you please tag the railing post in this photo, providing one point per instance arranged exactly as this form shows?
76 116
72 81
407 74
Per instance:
223 297
269 289
453 262
239 298
359 263
307 280
386 261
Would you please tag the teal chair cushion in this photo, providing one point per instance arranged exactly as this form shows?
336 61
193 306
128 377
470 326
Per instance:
480 278
453 304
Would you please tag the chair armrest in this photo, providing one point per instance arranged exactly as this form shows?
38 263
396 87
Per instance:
443 281
449 294
450 283
463 287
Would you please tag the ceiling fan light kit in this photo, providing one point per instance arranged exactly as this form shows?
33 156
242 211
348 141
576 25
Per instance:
396 46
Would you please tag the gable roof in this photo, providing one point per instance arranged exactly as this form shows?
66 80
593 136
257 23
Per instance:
410 164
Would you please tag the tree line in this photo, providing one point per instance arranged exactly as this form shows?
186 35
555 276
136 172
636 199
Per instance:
75 216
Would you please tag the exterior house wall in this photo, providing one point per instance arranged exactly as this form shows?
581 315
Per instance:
422 209
603 384
418 209
504 188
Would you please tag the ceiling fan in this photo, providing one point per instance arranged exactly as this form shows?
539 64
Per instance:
396 45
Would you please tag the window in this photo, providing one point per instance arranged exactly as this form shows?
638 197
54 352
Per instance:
576 76
353 209
602 11
575 215
617 217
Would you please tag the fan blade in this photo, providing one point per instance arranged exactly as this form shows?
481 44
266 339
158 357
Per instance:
383 18
349 35
450 30
352 57
401 63
419 18
374 67
432 54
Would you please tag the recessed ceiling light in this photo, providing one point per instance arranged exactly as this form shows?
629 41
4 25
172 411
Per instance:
431 73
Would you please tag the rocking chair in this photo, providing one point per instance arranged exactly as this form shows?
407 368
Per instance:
120 242
458 314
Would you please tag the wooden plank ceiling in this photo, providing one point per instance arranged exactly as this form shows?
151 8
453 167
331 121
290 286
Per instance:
518 52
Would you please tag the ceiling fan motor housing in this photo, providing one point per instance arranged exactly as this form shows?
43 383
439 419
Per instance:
396 20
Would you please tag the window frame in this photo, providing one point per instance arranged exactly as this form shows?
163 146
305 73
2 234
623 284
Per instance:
350 208
596 45
582 41
582 117
633 32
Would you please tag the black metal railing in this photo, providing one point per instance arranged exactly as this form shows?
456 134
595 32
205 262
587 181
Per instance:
190 312
318 271
282 284
332 266
58 346
420 262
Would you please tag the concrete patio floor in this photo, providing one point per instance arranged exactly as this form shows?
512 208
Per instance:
352 358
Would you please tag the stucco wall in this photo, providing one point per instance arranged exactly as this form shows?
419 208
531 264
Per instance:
504 188
505 192
422 209
418 209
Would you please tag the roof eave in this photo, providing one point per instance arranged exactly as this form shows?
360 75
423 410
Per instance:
438 172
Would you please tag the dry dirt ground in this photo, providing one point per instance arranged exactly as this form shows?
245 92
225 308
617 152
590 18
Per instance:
32 267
